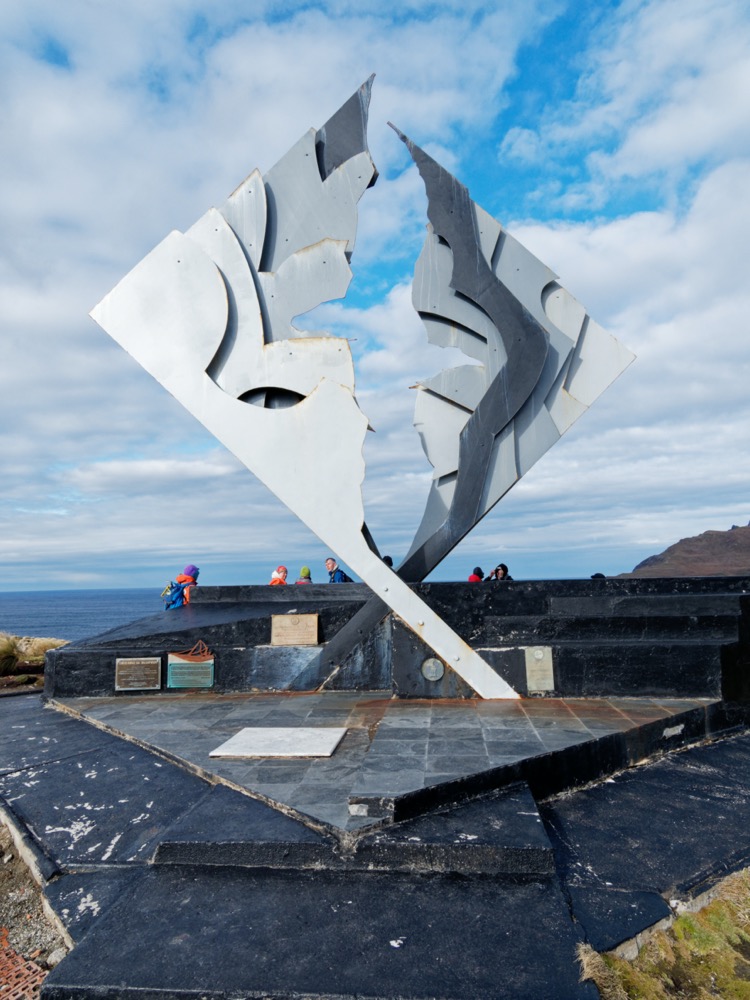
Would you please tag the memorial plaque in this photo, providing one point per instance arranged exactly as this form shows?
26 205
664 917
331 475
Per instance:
189 673
138 673
275 741
294 630
540 675
432 669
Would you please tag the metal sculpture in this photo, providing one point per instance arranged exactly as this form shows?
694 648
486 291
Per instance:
541 362
209 314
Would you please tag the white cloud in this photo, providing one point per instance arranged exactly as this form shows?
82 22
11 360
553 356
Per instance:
662 94
145 114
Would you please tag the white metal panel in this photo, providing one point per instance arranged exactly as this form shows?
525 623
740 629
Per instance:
314 274
245 211
599 358
439 424
307 209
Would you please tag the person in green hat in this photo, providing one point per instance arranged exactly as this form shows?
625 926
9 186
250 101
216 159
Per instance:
304 575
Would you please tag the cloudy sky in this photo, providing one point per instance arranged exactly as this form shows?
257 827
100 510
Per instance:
613 139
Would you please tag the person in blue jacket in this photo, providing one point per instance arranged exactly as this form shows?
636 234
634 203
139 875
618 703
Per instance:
336 575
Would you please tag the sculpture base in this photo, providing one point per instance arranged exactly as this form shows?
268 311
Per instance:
602 638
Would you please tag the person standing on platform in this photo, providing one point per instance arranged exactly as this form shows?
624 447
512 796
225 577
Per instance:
304 575
477 575
500 572
278 576
336 575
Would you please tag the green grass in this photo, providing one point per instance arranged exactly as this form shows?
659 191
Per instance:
703 955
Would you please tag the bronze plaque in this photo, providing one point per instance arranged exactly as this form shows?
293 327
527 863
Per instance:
138 673
294 630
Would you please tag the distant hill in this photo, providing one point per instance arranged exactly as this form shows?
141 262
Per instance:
714 553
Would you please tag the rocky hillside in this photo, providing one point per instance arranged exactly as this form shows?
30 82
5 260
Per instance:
714 553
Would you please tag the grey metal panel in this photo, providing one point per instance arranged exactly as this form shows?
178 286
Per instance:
432 294
528 402
524 275
535 433
489 231
345 133
439 424
243 362
464 385
445 333
451 213
504 471
598 360
562 309
562 407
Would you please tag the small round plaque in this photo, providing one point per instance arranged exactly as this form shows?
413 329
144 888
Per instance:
432 669
538 654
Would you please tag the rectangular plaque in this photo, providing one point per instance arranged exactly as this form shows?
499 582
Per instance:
138 673
540 675
189 673
294 630
276 741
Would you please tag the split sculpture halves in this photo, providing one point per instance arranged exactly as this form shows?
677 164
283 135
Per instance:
209 314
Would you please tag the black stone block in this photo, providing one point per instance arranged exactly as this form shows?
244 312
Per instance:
409 653
80 898
499 834
663 827
109 804
611 637
609 918
31 734
222 933
228 828
638 669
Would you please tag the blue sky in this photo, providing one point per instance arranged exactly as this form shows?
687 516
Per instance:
611 138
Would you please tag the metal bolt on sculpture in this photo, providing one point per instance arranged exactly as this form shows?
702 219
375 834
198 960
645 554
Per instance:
209 314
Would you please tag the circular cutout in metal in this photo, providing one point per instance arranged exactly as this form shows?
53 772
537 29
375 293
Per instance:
432 669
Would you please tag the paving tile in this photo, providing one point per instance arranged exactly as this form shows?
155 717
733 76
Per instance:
431 741
462 765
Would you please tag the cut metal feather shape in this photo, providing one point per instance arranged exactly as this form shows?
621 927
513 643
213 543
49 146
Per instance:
208 313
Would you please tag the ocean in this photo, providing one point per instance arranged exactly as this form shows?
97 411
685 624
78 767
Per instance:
74 614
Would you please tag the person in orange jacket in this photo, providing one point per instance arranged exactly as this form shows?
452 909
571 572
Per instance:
278 576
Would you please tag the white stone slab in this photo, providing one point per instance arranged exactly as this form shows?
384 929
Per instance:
291 741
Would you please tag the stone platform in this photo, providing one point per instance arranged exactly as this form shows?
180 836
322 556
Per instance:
447 848
173 881
681 638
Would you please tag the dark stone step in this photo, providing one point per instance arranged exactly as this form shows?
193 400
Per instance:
229 828
181 931
654 605
597 669
572 765
499 834
538 629
315 593
672 828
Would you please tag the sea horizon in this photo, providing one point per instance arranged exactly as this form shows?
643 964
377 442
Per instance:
74 614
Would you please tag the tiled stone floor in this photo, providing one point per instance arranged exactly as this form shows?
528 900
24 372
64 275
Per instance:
391 746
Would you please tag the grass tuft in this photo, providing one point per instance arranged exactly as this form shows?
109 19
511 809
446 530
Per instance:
19 653
703 955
